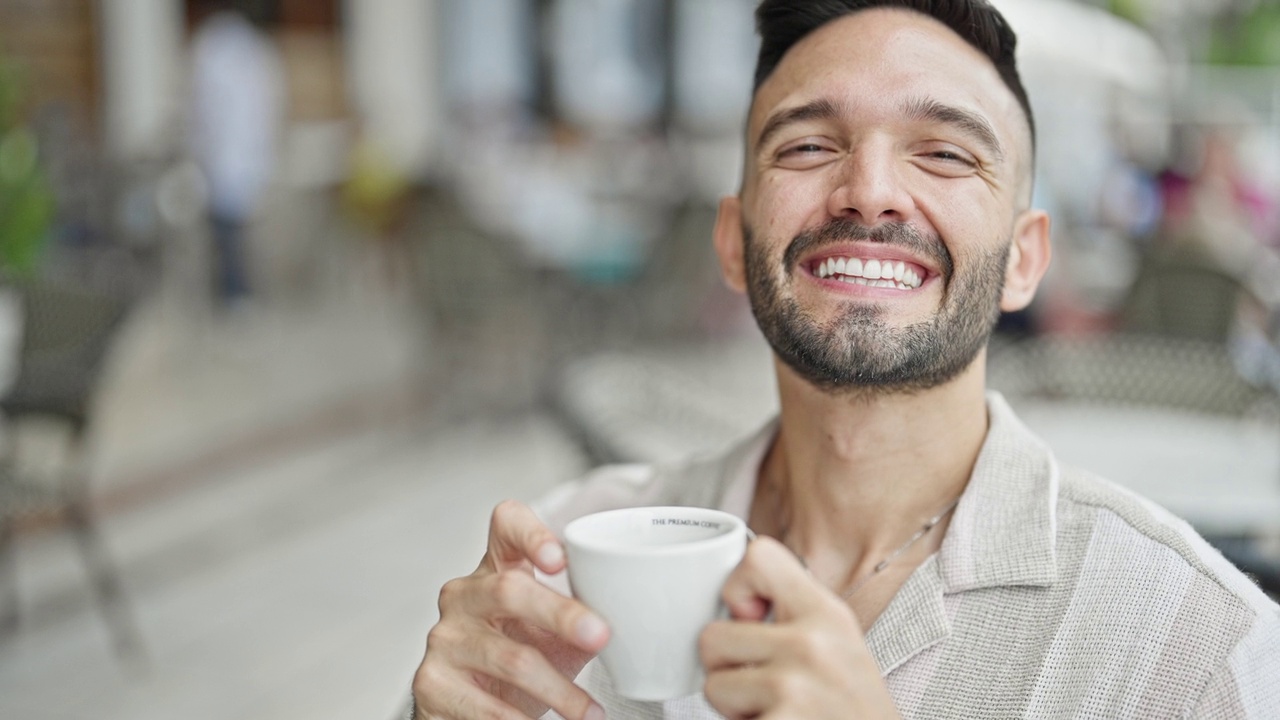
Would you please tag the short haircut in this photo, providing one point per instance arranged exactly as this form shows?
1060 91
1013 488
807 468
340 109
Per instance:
783 23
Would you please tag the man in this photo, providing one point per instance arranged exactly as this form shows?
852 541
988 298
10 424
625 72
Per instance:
237 105
921 554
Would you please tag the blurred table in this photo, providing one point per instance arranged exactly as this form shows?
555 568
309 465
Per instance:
1219 472
664 403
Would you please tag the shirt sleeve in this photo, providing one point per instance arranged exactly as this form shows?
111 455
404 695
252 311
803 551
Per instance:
1247 684
610 487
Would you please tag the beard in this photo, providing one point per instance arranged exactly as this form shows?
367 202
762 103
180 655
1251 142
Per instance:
858 350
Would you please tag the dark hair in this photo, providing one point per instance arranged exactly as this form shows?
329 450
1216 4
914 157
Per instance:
782 23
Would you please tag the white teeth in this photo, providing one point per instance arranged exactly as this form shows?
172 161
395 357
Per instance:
873 273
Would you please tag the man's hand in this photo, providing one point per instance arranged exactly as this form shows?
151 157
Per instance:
508 646
809 662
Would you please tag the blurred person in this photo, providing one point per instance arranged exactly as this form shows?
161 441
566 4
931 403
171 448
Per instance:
607 64
921 553
1220 220
1215 208
491 73
237 106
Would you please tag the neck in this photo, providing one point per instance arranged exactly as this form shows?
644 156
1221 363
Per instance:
850 477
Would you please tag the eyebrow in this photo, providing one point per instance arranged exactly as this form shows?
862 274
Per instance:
968 122
919 109
820 109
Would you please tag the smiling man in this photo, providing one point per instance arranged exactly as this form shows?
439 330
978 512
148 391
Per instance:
921 553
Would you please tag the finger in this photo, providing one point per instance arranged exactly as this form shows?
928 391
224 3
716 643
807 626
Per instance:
516 535
724 645
468 651
518 596
752 610
743 692
443 693
528 670
772 573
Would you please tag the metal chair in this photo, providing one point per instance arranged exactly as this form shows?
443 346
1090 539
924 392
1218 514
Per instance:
1184 377
67 332
1183 294
1128 369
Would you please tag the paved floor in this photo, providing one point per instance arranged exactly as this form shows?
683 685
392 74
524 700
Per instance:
299 587
283 498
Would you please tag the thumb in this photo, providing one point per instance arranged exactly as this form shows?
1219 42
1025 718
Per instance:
771 576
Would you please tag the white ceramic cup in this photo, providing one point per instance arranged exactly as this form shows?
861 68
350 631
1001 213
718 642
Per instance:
655 575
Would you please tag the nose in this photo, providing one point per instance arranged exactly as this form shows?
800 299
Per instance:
869 189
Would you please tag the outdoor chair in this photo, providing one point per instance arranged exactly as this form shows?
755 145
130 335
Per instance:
67 331
1183 294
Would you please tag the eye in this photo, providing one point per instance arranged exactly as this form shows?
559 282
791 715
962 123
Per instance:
951 154
806 148
804 154
947 160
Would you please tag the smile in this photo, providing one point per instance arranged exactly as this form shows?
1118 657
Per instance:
873 273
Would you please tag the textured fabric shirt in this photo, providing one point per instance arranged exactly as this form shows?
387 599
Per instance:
1055 594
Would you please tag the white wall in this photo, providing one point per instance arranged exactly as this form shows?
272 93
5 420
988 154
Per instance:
142 64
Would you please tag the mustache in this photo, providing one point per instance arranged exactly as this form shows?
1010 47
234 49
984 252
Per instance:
892 234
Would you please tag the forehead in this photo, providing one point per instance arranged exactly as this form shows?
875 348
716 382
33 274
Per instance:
885 58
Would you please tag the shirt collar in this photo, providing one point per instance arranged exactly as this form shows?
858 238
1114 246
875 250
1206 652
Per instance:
1003 529
1002 532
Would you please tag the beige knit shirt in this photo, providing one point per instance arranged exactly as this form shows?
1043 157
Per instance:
1055 594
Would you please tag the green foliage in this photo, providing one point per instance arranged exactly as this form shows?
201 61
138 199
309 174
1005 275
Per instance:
26 201
1131 10
1251 39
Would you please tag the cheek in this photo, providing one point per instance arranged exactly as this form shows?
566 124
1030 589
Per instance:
971 219
788 204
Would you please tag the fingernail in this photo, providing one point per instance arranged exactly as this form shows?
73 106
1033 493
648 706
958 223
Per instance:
590 629
595 712
550 555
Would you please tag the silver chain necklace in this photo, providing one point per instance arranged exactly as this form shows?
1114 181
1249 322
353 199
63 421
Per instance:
924 530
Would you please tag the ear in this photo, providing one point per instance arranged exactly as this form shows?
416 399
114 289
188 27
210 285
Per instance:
728 240
1028 260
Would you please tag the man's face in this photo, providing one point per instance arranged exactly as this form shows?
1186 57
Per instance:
885 163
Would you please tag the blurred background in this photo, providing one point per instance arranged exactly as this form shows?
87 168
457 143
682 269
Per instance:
293 291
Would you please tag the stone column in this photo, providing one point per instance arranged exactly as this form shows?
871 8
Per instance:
393 61
142 64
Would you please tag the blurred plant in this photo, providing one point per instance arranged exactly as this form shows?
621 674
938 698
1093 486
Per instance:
1135 11
1251 37
26 200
